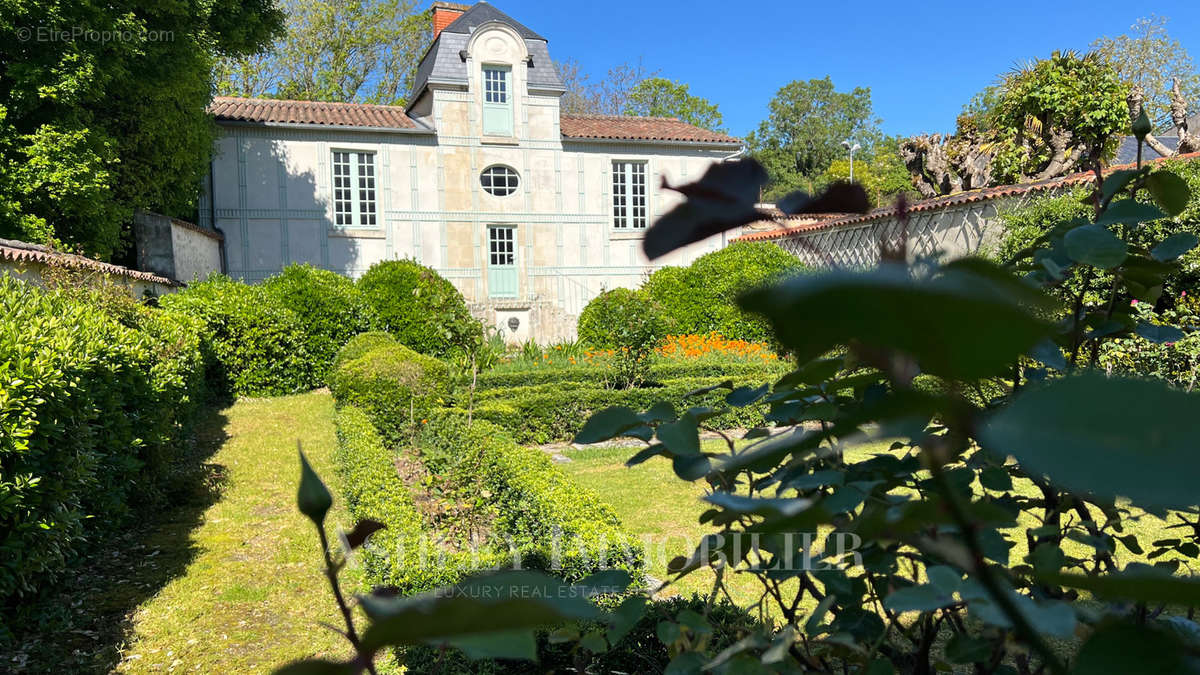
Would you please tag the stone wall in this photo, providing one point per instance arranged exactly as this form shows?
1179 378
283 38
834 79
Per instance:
46 267
176 249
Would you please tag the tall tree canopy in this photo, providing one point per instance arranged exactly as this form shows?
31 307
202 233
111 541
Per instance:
1148 58
607 96
660 97
810 119
103 110
336 50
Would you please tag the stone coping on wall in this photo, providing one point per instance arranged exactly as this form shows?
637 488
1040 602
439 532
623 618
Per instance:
14 251
936 203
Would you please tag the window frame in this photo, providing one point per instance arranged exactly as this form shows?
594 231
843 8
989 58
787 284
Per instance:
511 179
630 211
491 108
363 199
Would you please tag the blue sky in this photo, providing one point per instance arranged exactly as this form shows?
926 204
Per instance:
922 59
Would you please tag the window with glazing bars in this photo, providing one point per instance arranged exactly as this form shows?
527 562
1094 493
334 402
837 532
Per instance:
629 195
354 189
500 246
495 85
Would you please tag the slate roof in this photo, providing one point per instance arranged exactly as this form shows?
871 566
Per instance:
259 110
939 203
361 115
1127 151
481 13
443 65
619 127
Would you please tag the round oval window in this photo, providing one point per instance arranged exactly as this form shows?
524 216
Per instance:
499 180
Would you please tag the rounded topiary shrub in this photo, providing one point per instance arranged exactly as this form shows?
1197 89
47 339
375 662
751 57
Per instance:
393 384
420 308
329 306
621 318
702 297
258 347
361 344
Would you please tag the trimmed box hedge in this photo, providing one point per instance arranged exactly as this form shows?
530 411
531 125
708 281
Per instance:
392 384
660 370
556 412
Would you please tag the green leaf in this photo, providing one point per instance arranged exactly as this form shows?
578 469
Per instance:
606 424
751 506
963 648
502 601
643 455
1142 126
313 497
1110 436
971 320
1174 246
995 478
922 598
691 467
1137 582
594 642
1169 191
1115 182
1120 647
1130 212
944 578
515 644
1050 354
668 632
661 411
1094 245
1159 333
687 663
744 396
681 437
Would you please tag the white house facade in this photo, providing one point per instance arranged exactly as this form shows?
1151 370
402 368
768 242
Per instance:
528 211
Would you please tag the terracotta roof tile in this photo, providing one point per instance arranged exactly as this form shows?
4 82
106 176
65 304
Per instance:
20 251
937 203
619 127
310 112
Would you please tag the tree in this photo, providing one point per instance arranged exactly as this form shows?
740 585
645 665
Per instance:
362 50
660 97
881 172
1148 59
810 119
1049 118
609 96
105 111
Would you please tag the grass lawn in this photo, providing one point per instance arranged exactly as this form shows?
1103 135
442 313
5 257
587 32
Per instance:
226 580
252 597
652 501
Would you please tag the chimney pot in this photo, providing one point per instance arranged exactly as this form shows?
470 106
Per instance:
444 14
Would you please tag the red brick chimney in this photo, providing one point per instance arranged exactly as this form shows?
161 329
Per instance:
444 14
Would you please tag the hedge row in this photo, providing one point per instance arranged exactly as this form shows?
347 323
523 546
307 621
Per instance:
373 490
556 412
97 397
660 370
555 523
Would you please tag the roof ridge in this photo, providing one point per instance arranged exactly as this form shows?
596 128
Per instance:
300 101
955 199
601 116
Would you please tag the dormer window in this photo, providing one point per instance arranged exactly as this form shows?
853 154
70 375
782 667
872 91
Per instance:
497 101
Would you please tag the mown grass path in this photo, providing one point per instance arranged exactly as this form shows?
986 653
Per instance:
253 595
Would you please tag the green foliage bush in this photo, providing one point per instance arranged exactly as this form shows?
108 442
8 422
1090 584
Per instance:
392 384
373 491
420 308
537 505
330 309
94 405
621 318
702 297
661 370
259 347
361 344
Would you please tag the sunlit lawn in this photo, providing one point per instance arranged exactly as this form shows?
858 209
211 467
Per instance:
652 502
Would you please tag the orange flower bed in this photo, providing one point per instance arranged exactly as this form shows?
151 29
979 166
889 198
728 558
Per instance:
697 346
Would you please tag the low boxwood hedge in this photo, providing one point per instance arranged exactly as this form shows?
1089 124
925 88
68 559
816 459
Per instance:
556 412
393 384
398 556
555 523
361 344
660 370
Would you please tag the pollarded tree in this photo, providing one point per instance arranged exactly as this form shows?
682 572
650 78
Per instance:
660 97
1049 118
1149 61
